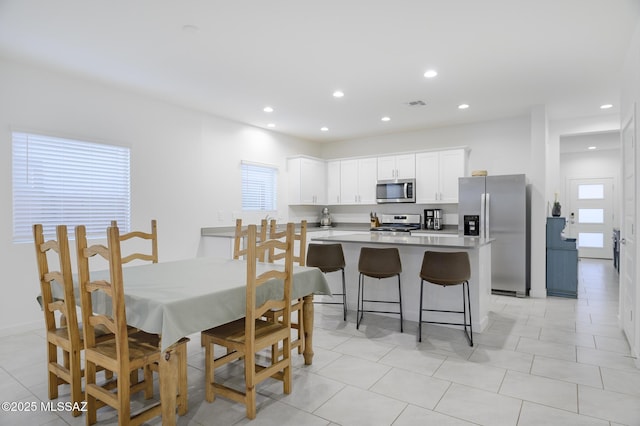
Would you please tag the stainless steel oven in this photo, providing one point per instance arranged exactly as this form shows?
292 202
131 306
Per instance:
396 191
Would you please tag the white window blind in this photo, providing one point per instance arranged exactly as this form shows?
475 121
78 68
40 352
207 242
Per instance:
60 181
259 183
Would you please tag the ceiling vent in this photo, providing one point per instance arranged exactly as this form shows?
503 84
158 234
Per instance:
416 103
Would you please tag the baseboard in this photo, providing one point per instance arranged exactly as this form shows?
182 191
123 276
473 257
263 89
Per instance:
538 294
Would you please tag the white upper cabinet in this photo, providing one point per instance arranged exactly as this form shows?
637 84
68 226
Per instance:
307 181
437 175
333 182
358 179
397 167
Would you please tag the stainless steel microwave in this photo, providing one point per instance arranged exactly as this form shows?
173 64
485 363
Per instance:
396 191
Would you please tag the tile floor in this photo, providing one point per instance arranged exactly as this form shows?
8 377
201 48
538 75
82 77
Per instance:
547 361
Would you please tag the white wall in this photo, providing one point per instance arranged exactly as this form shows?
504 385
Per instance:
630 108
500 146
185 164
591 164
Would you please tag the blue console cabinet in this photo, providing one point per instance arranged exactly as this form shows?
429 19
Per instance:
562 260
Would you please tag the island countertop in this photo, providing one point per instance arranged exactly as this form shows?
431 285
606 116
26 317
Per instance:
450 241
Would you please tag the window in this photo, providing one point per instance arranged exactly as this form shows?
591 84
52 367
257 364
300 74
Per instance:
60 181
259 183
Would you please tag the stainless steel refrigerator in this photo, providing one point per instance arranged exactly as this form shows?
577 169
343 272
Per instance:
497 207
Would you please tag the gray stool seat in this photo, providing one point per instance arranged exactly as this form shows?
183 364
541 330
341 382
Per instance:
329 258
378 263
447 269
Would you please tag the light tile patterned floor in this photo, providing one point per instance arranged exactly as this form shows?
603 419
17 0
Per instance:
547 361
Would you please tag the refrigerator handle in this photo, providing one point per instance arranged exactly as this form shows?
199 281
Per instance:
483 203
487 221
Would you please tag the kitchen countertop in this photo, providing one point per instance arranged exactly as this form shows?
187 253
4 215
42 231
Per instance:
229 231
409 240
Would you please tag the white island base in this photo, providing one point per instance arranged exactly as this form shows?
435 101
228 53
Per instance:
412 250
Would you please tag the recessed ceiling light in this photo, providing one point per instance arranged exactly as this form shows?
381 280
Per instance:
463 106
592 147
430 73
271 125
268 109
606 106
324 129
386 119
338 94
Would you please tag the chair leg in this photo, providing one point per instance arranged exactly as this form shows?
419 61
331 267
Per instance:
209 370
90 380
52 356
76 380
420 312
400 300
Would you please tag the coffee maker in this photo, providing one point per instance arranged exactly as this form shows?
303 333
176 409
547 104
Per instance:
437 219
428 219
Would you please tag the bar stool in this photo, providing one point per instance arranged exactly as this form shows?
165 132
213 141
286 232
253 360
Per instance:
329 258
447 269
378 263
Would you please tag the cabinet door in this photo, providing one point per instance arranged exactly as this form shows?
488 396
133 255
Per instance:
451 168
312 181
333 182
367 173
349 182
427 177
387 168
406 166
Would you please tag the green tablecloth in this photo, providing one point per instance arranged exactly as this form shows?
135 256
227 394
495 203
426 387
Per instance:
176 299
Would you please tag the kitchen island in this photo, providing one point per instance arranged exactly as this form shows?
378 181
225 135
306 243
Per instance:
412 248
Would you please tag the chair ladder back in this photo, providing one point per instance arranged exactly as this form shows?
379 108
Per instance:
254 280
240 249
151 236
299 257
65 335
116 323
62 277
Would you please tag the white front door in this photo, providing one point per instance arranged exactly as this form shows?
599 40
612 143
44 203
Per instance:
628 233
590 216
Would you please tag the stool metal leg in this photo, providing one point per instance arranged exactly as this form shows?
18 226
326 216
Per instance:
420 312
359 308
400 300
344 296
468 308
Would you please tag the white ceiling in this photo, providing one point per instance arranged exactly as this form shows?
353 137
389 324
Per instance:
233 58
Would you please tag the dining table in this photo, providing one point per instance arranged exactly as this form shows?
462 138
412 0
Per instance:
178 298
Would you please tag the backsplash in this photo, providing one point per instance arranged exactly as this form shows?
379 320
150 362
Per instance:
360 213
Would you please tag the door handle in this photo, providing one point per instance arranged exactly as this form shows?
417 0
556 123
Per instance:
623 241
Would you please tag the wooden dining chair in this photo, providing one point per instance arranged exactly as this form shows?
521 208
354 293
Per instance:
240 246
151 236
245 337
60 315
240 238
299 257
126 352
